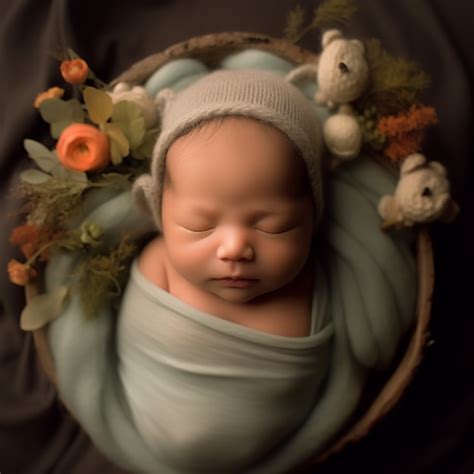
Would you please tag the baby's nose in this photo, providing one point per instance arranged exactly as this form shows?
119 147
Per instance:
235 245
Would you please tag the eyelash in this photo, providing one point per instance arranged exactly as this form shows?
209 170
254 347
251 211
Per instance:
258 230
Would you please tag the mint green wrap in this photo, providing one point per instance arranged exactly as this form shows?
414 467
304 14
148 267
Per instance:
364 302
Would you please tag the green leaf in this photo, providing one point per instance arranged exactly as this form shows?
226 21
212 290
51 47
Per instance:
42 309
77 112
43 157
129 117
77 176
119 145
58 127
146 148
34 177
73 54
99 105
294 23
57 110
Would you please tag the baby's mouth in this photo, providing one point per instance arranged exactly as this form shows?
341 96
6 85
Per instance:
236 282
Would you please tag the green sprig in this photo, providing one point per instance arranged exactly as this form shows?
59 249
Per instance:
327 15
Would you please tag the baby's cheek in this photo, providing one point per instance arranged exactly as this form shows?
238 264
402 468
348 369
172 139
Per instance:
188 257
286 258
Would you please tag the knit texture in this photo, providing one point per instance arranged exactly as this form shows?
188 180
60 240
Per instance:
254 94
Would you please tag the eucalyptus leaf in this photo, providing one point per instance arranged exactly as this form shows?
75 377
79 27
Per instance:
43 157
58 127
36 149
57 110
77 176
42 309
99 105
54 110
129 117
119 144
77 112
34 177
115 156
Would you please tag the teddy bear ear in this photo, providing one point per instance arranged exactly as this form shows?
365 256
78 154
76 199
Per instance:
412 162
438 168
359 45
330 35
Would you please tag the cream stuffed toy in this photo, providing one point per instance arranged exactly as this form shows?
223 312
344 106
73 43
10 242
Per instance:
342 75
342 72
421 196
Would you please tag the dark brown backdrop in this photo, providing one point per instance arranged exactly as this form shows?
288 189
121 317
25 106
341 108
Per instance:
432 429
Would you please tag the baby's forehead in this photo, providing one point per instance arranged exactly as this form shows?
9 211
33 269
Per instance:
244 147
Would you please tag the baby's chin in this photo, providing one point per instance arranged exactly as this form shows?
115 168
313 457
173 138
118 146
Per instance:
241 295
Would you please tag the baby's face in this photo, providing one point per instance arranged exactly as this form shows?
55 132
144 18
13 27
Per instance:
237 212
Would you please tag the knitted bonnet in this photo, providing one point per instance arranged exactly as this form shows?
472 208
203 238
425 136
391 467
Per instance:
260 95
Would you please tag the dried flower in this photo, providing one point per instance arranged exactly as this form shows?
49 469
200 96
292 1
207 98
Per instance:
20 273
82 147
51 93
30 238
74 71
405 131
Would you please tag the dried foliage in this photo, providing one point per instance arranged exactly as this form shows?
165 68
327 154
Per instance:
329 14
103 276
405 131
396 83
53 203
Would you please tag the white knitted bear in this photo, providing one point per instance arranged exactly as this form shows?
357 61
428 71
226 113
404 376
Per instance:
422 195
343 72
138 95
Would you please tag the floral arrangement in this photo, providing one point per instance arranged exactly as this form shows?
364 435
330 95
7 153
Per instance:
103 139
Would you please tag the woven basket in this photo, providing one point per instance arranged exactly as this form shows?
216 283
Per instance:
211 49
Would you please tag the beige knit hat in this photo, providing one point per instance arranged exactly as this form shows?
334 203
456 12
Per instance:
255 94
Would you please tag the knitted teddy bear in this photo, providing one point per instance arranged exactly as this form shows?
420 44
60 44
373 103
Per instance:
342 75
421 196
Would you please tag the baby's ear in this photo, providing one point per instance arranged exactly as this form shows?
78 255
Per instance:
144 195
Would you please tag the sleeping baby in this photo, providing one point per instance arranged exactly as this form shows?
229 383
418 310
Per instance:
226 291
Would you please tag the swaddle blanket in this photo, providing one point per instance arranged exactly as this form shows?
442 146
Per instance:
106 366
205 391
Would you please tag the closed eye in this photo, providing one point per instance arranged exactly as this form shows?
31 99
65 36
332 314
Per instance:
197 230
275 231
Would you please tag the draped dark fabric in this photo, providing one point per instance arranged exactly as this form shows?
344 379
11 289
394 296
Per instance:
432 428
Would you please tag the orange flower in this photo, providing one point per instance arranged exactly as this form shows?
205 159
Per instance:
20 273
83 147
51 93
74 71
